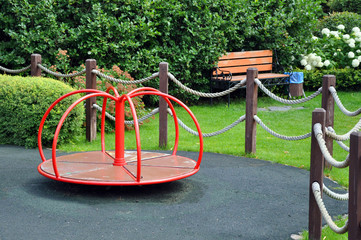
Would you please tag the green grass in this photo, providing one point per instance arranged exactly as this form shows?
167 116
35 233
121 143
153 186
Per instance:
328 234
215 117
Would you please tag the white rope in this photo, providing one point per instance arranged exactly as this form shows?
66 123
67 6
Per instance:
337 196
209 95
285 101
340 143
154 75
346 136
317 193
15 71
290 138
322 144
60 74
188 129
340 105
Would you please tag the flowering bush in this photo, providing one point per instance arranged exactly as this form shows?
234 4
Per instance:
335 49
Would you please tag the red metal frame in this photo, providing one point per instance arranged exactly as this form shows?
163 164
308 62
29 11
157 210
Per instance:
119 159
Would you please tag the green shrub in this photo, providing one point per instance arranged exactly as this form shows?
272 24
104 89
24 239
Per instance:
23 102
347 79
348 19
345 5
138 35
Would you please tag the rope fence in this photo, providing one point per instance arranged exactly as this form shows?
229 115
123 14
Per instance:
328 91
320 154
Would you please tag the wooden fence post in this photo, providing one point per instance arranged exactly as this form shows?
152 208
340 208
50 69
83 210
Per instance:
163 106
328 103
91 113
316 175
35 70
354 202
251 110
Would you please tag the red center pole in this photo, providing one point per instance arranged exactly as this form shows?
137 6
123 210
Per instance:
119 132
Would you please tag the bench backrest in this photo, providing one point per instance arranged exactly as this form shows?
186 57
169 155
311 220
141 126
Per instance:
239 62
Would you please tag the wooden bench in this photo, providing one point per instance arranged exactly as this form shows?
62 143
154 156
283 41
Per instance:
232 68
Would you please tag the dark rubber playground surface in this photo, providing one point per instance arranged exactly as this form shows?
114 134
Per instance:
229 198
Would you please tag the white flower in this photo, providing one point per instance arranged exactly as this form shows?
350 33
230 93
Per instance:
346 36
358 34
351 41
355 63
352 45
320 64
89 52
308 67
335 33
359 58
325 31
314 38
351 55
355 29
358 50
303 62
326 63
335 54
311 56
341 27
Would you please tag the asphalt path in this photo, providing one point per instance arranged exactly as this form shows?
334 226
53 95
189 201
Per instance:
229 198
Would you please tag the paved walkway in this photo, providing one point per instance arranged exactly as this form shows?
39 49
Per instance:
229 198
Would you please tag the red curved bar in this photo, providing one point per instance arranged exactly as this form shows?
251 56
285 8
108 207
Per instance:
131 94
189 112
137 136
40 146
62 119
102 125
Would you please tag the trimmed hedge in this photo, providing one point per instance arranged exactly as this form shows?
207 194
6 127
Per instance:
23 102
347 79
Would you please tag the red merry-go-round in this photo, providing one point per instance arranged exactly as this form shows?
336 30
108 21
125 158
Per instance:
118 167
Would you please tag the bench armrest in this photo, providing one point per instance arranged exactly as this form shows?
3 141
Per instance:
225 75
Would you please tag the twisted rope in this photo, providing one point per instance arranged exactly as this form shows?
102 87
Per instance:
321 142
60 74
15 71
188 129
317 193
209 95
290 138
285 101
337 196
111 117
346 136
340 143
154 75
340 105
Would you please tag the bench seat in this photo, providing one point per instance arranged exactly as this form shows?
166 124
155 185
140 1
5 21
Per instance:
261 76
232 68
